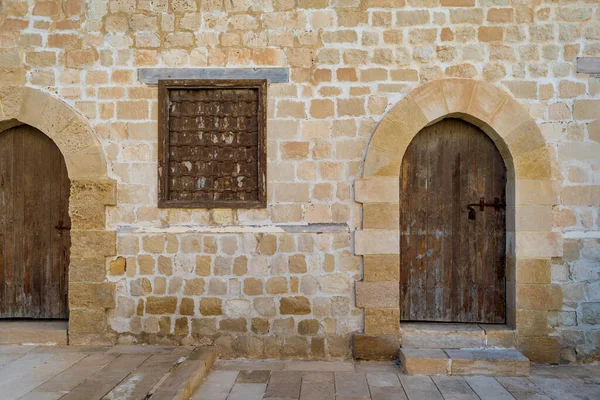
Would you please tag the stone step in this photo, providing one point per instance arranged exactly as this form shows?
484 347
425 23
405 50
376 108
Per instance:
464 362
424 335
33 332
186 376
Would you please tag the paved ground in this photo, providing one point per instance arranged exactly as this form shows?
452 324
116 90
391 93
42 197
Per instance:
84 373
130 372
250 380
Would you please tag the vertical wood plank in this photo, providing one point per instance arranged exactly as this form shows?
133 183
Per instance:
452 268
34 192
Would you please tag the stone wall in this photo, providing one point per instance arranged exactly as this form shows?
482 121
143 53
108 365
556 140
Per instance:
200 275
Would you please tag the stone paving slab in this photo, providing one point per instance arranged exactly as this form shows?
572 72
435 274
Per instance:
87 372
386 381
33 332
94 373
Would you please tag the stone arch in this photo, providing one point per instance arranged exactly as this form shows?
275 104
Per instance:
67 128
531 193
90 296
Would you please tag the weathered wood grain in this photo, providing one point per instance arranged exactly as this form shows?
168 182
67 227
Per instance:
34 201
452 267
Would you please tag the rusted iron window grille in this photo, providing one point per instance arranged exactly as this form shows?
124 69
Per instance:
212 143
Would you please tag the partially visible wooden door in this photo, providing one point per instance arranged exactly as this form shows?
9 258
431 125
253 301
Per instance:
452 267
34 226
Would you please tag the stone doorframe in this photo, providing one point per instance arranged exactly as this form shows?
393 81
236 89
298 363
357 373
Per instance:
531 193
90 296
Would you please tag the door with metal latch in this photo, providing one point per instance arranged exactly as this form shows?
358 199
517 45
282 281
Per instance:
452 226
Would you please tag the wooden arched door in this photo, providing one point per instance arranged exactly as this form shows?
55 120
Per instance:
34 226
452 260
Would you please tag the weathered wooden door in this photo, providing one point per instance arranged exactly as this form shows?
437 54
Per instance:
34 226
452 266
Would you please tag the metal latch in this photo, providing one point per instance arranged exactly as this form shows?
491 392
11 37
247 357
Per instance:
61 227
482 204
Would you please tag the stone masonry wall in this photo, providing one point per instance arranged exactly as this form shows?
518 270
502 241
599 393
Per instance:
201 276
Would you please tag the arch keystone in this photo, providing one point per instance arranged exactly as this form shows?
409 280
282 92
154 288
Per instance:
458 94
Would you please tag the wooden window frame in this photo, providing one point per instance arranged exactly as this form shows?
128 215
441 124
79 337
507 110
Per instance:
163 140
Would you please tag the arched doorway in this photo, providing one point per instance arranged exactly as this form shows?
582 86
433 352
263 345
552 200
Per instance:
530 242
452 226
35 235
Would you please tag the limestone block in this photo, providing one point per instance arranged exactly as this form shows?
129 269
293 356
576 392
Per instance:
533 270
539 244
140 287
580 195
424 362
297 264
586 109
381 215
532 218
265 306
532 322
408 118
236 308
260 325
377 241
376 347
393 136
12 99
334 283
87 321
382 321
87 203
33 103
380 162
441 336
233 324
87 163
161 305
377 190
377 294
55 117
525 138
499 335
539 297
204 326
277 285
431 100
210 306
92 295
93 243
296 305
87 269
509 116
308 327
532 191
540 349
485 101
194 287
381 268
488 362
590 313
187 306
117 266
534 164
